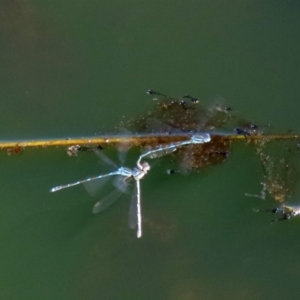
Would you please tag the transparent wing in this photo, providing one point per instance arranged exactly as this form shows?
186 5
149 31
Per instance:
154 125
121 183
122 153
124 145
112 197
94 187
105 158
159 152
107 201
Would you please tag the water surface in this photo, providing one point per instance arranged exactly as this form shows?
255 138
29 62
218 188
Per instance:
74 68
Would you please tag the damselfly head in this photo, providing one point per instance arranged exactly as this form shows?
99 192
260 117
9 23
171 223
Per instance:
201 138
145 167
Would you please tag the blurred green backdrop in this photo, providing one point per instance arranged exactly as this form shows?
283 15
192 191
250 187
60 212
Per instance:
74 68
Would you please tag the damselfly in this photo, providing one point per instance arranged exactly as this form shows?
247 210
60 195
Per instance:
125 174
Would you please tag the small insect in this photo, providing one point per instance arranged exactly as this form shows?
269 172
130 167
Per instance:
125 174
151 92
194 100
287 211
241 131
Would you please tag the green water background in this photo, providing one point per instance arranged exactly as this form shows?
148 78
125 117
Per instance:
74 68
